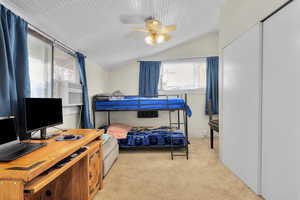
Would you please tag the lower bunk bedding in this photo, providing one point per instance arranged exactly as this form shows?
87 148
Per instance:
160 138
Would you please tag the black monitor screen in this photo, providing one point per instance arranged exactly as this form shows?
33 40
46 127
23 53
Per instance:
8 132
42 113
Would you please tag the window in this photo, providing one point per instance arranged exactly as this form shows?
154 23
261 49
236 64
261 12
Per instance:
66 78
183 75
59 79
40 54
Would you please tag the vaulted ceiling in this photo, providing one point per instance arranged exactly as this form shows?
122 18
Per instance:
94 26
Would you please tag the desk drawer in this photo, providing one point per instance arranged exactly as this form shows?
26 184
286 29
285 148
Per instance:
68 186
57 189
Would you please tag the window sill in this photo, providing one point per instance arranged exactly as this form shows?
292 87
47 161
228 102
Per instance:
71 105
71 110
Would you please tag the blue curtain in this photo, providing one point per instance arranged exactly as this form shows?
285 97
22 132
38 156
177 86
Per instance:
149 78
212 84
14 72
85 116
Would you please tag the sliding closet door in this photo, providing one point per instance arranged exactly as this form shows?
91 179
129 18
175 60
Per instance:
242 107
281 105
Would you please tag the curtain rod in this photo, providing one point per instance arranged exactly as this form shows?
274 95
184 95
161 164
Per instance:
61 44
175 59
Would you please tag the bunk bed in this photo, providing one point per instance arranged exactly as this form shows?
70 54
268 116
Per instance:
173 136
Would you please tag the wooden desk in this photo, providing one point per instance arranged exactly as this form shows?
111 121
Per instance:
79 179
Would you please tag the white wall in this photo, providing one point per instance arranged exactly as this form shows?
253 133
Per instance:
97 78
125 78
238 16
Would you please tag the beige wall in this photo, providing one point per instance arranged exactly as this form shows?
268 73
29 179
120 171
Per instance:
97 83
237 16
97 78
125 78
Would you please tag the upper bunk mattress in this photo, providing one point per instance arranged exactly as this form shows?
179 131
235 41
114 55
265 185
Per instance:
142 103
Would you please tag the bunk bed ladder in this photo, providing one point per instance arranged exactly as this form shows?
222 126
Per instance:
185 123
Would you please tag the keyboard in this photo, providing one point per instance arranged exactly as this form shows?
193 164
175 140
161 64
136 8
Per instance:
18 150
69 158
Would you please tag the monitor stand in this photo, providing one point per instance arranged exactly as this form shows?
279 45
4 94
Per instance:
43 135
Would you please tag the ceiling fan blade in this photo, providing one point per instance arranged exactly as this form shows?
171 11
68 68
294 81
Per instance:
133 19
134 35
167 29
153 25
140 30
167 37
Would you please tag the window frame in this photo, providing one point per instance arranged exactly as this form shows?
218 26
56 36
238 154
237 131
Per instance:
59 47
54 45
181 91
40 37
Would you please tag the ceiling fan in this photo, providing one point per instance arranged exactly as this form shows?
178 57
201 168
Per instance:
157 32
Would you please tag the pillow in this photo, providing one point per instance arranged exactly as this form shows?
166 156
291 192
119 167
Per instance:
119 131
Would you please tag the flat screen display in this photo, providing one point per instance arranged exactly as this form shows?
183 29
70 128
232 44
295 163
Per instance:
42 112
8 131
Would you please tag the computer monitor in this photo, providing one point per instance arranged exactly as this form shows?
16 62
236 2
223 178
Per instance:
8 131
41 113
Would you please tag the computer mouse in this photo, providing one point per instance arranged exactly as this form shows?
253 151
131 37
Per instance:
69 137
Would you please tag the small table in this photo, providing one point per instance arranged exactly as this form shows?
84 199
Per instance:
214 126
213 123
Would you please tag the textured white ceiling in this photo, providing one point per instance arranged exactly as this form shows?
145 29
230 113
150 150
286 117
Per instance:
94 28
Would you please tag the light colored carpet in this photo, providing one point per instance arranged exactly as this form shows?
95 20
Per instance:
152 175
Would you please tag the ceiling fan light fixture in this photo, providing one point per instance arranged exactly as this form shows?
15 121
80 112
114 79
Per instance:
158 33
150 39
160 38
